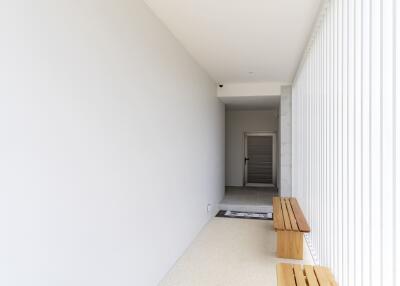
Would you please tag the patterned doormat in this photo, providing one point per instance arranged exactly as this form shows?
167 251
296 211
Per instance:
245 215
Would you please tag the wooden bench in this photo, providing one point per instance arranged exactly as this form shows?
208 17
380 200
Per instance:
296 275
290 225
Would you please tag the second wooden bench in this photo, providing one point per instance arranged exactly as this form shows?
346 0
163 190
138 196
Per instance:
308 275
290 226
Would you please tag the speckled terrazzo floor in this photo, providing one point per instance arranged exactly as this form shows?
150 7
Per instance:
230 252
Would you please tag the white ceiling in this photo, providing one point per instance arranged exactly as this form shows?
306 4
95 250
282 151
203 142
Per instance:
231 38
268 102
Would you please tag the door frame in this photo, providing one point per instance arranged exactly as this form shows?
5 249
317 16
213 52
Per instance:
247 134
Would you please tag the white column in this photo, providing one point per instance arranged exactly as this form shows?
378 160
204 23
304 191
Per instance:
286 142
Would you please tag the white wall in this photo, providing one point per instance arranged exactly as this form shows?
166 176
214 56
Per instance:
244 89
112 144
237 123
346 132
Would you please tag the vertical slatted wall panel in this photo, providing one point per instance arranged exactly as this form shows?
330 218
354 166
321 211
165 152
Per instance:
346 135
396 106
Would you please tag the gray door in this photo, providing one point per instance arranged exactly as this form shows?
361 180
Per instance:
259 159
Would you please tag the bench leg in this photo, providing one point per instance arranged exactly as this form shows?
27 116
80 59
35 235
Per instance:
289 244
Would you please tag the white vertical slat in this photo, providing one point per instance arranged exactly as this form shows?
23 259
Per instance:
349 157
335 141
343 126
326 151
396 105
341 202
320 134
357 219
375 147
387 131
323 158
311 174
319 138
321 144
365 144
330 142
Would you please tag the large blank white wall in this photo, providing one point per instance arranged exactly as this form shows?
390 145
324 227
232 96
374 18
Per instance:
112 144
346 129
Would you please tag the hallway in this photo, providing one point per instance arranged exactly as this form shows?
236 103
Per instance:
234 252
123 122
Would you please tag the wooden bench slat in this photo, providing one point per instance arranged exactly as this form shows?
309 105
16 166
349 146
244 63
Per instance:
330 277
285 215
301 220
311 278
285 275
299 275
278 216
322 278
292 218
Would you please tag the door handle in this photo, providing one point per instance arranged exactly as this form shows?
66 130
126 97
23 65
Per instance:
245 160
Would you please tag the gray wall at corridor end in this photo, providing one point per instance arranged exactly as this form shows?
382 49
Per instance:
286 141
237 123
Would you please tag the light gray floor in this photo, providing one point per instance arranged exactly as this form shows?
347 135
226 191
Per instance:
248 199
231 252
